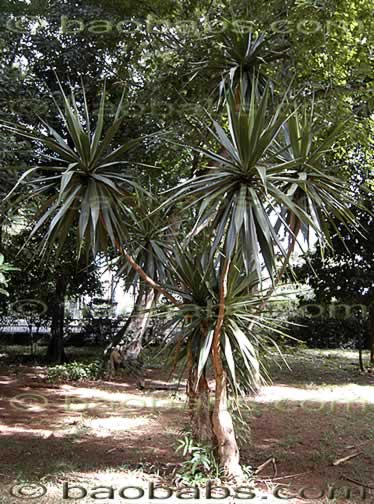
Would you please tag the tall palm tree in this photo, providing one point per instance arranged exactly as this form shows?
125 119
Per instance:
88 181
263 176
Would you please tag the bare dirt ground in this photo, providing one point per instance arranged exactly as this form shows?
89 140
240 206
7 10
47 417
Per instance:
99 433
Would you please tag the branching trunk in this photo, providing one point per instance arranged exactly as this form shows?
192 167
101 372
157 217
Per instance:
143 275
151 285
134 328
222 424
56 352
147 279
223 427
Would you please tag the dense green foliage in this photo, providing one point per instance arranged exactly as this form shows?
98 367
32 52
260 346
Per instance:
325 332
32 286
73 371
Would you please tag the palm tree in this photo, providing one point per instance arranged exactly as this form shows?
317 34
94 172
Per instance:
153 232
264 176
238 60
197 282
90 184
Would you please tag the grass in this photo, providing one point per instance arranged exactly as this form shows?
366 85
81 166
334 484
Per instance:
21 354
313 368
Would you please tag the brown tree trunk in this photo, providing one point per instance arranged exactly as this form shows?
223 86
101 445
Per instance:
136 322
223 427
199 404
147 279
371 332
139 321
56 352
200 414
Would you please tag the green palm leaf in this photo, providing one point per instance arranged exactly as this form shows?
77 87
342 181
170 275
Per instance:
91 183
269 169
237 58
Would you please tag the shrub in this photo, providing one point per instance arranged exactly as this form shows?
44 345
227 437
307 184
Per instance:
74 371
329 332
200 466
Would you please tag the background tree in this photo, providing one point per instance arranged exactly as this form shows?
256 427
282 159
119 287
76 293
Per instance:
47 285
346 273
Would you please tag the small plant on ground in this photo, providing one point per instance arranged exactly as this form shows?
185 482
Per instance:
200 465
74 371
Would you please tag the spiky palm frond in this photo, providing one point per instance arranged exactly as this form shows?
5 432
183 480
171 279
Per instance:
313 185
244 331
240 61
255 179
86 178
153 233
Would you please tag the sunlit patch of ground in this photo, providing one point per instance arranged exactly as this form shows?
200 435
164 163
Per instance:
350 393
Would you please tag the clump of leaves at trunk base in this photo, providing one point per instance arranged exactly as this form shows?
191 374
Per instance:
74 371
200 465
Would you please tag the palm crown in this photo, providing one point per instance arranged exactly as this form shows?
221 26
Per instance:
89 181
268 167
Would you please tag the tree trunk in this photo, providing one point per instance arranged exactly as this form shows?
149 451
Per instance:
147 279
56 352
223 427
371 332
139 320
199 404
